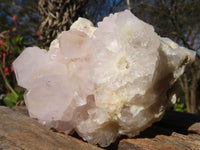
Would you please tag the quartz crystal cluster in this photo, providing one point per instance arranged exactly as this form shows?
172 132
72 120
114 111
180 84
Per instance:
102 82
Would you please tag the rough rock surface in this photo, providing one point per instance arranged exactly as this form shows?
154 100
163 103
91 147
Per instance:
19 132
102 82
176 131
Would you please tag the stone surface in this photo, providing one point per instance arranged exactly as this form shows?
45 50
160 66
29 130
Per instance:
195 128
102 82
19 132
176 131
160 142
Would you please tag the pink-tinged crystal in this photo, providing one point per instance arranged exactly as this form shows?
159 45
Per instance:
76 45
102 82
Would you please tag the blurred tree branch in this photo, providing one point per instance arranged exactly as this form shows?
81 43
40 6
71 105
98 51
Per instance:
57 16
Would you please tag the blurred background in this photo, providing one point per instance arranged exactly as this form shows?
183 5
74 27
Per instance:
26 23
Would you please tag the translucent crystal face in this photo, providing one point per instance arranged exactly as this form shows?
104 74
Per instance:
102 82
76 45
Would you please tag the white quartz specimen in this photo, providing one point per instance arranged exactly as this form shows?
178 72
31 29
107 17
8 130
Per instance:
102 82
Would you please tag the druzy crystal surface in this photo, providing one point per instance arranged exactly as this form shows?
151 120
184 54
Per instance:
102 82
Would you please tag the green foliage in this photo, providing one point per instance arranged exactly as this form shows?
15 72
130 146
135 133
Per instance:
11 45
11 50
179 106
19 21
12 99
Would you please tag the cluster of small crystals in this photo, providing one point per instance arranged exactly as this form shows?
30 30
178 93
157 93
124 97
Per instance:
101 82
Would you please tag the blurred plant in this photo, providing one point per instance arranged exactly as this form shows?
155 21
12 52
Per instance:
19 21
22 14
11 45
179 106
